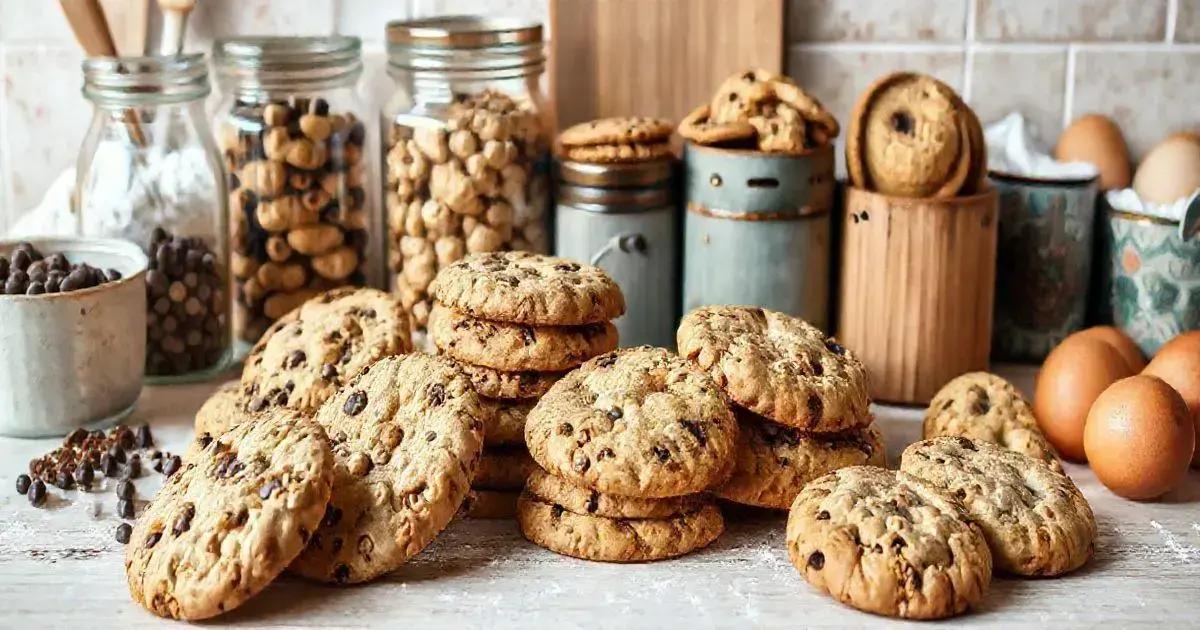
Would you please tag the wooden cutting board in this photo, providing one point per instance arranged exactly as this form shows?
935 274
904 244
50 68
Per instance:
655 57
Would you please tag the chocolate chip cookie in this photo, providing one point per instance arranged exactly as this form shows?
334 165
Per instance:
777 366
616 540
516 347
407 435
639 422
699 127
522 385
615 153
774 462
223 410
528 288
306 355
617 130
551 489
1036 521
888 543
504 420
985 407
232 519
503 468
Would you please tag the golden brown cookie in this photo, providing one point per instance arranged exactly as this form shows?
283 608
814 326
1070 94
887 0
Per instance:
617 130
503 468
523 385
610 153
504 420
559 491
810 108
698 128
223 410
516 347
742 94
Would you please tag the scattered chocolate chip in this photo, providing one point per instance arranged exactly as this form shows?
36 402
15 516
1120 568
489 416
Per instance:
816 560
144 438
125 490
123 532
125 508
116 453
77 437
63 480
172 465
109 466
37 493
23 482
133 469
84 475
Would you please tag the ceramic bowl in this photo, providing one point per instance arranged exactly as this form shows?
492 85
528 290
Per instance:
70 360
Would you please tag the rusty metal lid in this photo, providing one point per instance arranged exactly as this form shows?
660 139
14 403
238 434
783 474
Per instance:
614 200
617 175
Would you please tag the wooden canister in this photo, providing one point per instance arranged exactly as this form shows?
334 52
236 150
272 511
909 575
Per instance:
918 283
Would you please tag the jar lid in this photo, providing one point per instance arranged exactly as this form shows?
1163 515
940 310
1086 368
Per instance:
614 200
616 175
136 80
280 62
466 43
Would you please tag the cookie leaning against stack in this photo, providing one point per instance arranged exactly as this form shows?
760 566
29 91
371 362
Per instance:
800 400
626 444
516 322
618 139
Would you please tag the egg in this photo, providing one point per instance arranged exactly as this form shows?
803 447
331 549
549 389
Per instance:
1096 139
1171 170
1178 363
1120 342
1139 437
1072 377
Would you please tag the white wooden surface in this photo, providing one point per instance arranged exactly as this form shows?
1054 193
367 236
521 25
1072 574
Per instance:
60 567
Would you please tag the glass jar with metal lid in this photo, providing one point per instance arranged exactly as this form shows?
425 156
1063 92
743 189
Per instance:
290 126
624 218
466 155
149 172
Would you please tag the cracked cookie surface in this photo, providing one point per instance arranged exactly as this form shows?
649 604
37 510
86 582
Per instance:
515 347
223 410
777 366
407 434
617 130
984 407
306 355
888 543
231 520
528 288
504 385
639 422
616 540
1036 521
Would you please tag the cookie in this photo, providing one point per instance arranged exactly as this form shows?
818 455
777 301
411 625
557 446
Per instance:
523 385
741 95
699 128
610 153
557 491
231 520
810 108
888 543
774 462
528 288
639 422
306 355
617 130
777 366
616 540
976 157
778 136
1034 518
490 504
504 420
984 407
407 435
905 138
223 410
515 347
503 469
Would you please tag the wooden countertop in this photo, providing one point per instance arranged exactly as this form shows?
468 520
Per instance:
61 567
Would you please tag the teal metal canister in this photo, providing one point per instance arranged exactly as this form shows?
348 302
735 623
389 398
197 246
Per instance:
757 230
624 218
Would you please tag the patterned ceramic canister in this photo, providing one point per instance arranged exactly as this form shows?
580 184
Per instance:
1044 263
1155 278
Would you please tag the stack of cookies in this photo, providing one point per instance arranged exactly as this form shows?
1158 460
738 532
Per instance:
800 399
912 136
617 140
764 111
516 322
627 445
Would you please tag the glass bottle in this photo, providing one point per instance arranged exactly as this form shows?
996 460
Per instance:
149 172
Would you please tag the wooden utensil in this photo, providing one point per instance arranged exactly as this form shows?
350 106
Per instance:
90 26
129 21
655 58
175 15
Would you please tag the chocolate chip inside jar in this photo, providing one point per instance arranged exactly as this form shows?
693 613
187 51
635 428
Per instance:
298 205
187 306
471 180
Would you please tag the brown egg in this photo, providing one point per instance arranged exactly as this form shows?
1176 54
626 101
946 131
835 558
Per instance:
1139 437
1178 363
1096 139
1071 378
1169 171
1121 342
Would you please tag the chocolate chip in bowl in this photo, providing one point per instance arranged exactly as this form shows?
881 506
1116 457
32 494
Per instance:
85 319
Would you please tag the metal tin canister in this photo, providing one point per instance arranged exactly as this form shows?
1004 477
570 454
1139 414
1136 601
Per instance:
624 219
758 229
1044 263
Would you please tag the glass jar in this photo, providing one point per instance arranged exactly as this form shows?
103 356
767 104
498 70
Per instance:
150 173
466 156
290 127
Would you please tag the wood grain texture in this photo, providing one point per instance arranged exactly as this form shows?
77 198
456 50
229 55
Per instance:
655 57
917 289
61 568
